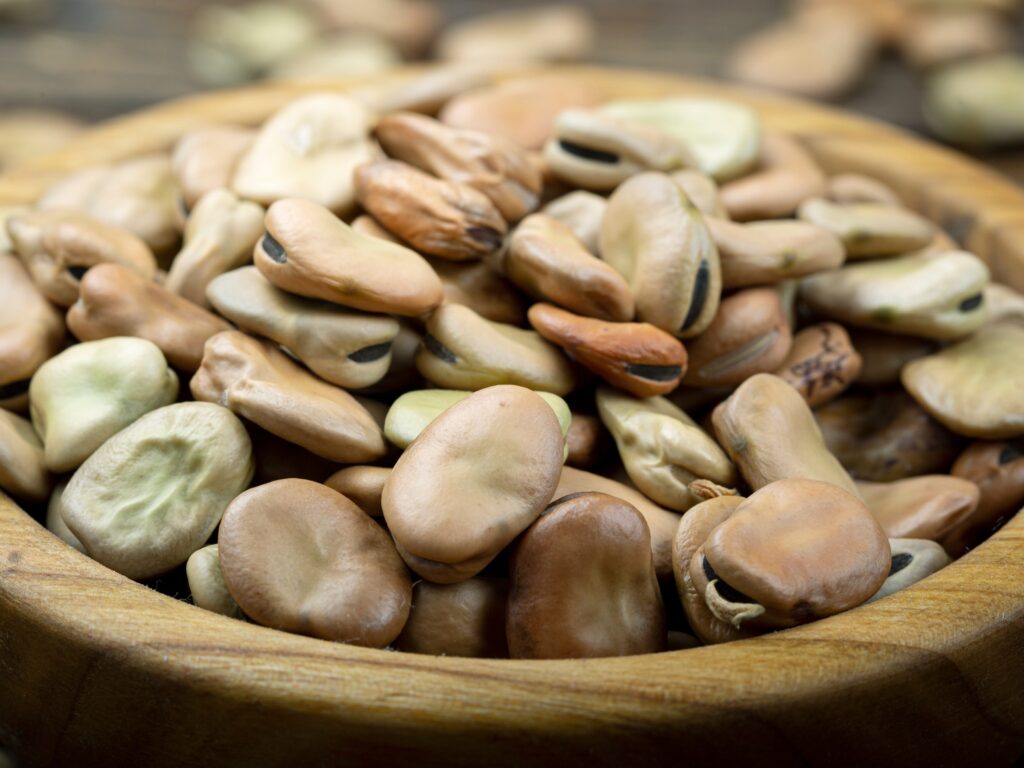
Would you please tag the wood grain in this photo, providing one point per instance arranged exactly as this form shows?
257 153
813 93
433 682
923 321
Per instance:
98 670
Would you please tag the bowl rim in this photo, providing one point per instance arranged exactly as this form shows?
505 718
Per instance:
932 630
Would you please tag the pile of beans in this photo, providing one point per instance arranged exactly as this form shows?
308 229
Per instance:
545 376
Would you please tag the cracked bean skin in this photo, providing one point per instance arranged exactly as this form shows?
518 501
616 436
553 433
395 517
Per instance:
464 351
116 301
884 436
491 164
363 485
912 560
446 219
922 507
997 468
23 472
91 391
582 212
465 620
765 252
31 332
206 582
204 159
220 235
655 237
748 335
596 151
313 254
795 551
287 157
870 230
662 448
154 493
662 523
937 297
973 387
345 347
769 432
821 364
787 175
459 494
256 380
583 584
547 261
57 247
299 556
694 528
637 357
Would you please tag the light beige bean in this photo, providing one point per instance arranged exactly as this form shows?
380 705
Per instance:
464 351
151 495
299 556
583 584
786 176
473 481
55 519
850 188
345 347
769 432
256 380
206 582
912 560
23 471
702 191
91 391
582 212
870 230
204 159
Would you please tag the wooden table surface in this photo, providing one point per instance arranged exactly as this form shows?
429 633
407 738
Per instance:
98 58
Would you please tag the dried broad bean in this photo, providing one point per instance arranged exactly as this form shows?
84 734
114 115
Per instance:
465 619
912 560
206 582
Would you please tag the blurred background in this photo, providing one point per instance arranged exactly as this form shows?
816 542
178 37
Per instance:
949 68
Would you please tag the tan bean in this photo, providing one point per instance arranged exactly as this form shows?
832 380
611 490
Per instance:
345 347
787 176
997 468
256 380
637 357
522 110
973 387
57 247
543 33
204 159
885 436
655 237
446 219
206 582
939 37
821 364
491 164
363 485
1004 303
92 391
409 24
748 335
587 442
702 191
850 188
870 230
662 448
583 583
597 151
547 261
288 156
299 556
31 331
23 471
139 195
116 301
55 519
345 54
581 212
793 552
694 528
220 236
763 252
473 481
479 286
769 432
661 522
464 351
912 560
922 507
153 493
308 251
883 355
463 620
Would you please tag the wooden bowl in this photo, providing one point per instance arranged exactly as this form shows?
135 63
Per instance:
98 670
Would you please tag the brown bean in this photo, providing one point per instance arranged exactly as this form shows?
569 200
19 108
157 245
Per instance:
583 583
299 556
821 364
363 485
923 507
465 619
997 468
588 442
204 159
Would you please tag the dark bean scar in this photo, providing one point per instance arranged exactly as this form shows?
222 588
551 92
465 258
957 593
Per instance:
654 372
77 272
588 153
701 285
900 561
438 349
274 249
371 353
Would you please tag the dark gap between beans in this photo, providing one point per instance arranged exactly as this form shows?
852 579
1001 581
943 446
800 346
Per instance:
588 153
